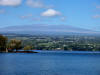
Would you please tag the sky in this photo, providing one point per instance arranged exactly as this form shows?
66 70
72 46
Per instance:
77 13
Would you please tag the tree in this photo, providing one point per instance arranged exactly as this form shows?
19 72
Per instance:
27 48
15 44
3 42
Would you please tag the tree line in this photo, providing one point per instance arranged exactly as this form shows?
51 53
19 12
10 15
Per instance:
49 43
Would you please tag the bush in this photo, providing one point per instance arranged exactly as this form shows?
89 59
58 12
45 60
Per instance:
27 48
3 42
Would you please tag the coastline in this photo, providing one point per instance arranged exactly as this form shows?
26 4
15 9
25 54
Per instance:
20 52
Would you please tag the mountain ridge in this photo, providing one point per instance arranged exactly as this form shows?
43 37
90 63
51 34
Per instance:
46 29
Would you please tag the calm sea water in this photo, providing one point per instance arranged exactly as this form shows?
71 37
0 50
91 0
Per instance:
50 63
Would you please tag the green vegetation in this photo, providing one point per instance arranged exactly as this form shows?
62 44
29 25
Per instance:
68 43
3 42
14 44
27 48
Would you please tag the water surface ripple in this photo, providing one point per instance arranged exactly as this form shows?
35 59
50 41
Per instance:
50 63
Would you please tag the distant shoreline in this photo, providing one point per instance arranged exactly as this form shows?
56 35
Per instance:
20 52
37 51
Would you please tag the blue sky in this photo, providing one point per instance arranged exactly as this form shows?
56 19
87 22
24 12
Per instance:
77 13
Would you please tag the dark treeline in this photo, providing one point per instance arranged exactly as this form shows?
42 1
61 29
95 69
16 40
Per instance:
11 45
3 42
68 43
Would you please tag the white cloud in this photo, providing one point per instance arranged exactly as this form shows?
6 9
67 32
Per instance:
2 11
37 4
51 13
96 16
10 2
26 16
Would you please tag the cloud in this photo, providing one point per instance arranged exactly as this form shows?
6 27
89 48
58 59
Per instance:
30 16
26 16
10 2
37 19
2 11
96 16
63 18
37 4
98 7
51 13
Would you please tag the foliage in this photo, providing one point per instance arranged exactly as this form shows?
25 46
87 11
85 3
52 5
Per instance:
3 41
68 42
14 44
27 47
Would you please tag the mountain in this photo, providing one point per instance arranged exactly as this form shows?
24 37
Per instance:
46 29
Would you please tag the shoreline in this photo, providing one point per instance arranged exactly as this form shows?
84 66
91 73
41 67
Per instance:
20 52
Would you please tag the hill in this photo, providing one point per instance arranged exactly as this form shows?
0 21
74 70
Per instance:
46 29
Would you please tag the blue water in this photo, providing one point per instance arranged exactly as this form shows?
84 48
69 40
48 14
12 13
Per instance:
50 63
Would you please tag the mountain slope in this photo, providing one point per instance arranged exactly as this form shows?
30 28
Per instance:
44 29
